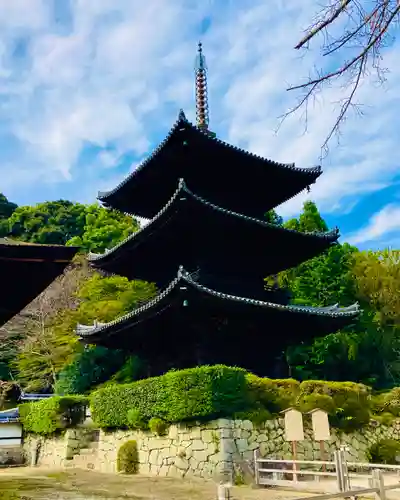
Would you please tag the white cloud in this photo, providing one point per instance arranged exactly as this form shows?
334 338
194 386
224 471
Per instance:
385 223
119 76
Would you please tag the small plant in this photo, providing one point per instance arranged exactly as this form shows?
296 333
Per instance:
216 440
385 451
135 419
256 417
128 458
158 426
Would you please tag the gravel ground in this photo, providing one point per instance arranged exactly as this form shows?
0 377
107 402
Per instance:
33 484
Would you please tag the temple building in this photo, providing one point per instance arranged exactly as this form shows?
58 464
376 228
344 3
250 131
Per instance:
208 247
26 270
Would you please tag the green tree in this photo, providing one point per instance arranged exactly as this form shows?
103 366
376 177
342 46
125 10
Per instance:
103 299
377 276
310 220
92 227
6 207
103 229
273 218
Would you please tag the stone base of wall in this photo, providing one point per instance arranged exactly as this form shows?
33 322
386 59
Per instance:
11 455
214 450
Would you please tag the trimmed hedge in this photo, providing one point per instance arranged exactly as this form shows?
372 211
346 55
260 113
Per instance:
204 392
52 415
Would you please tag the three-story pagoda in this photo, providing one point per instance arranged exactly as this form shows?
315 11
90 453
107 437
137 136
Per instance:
208 248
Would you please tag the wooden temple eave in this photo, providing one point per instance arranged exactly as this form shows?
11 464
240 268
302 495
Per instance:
176 150
212 232
182 291
40 263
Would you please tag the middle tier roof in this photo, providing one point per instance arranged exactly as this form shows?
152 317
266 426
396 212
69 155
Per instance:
193 232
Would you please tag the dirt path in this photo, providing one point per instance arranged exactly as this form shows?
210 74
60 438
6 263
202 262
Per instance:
33 484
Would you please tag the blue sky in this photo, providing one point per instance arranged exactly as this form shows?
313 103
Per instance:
89 87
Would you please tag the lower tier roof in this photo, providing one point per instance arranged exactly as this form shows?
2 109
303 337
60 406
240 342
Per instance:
26 270
192 323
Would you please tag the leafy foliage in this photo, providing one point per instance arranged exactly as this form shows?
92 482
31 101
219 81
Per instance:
158 426
62 222
385 451
52 415
6 209
309 221
128 458
195 393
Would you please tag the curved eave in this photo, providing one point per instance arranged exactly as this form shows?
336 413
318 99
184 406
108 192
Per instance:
311 174
25 252
329 237
26 270
84 331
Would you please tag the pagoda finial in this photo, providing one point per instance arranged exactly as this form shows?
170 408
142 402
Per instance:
202 112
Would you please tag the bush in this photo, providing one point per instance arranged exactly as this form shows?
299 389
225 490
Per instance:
204 392
128 458
135 420
91 367
257 417
272 395
52 415
385 451
351 402
158 426
308 402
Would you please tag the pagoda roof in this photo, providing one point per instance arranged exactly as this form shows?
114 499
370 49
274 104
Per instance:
190 230
187 312
222 173
26 269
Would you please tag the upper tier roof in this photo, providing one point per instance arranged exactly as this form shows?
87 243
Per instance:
188 316
221 173
26 270
198 234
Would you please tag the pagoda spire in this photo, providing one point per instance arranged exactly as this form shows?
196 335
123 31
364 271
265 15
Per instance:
202 110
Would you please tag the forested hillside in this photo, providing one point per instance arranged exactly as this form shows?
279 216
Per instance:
40 350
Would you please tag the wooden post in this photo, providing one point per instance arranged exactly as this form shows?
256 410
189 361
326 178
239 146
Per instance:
379 484
294 452
322 454
256 474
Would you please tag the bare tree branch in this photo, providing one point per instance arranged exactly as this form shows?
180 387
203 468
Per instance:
323 24
366 37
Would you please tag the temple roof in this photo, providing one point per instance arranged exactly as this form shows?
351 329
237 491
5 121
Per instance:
190 230
186 307
26 269
224 174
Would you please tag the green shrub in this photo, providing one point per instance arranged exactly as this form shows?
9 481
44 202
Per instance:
204 392
385 451
272 395
334 388
135 420
128 458
351 401
308 402
52 415
158 426
257 417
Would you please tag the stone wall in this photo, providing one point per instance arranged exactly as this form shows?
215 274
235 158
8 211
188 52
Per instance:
210 450
11 455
